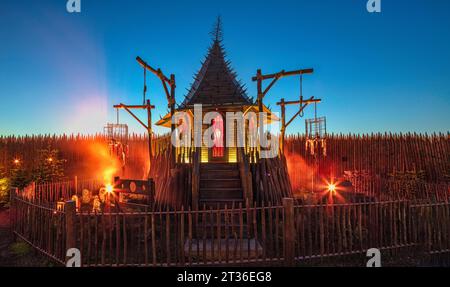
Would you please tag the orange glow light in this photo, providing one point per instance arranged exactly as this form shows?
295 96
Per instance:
332 188
16 161
50 159
109 188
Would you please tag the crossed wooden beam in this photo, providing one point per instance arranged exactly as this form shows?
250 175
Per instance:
170 95
259 78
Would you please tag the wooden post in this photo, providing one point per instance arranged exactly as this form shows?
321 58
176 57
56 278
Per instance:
69 210
172 112
149 128
75 183
195 178
13 211
289 233
260 104
283 125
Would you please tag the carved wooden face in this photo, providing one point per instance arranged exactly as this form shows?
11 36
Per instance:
86 196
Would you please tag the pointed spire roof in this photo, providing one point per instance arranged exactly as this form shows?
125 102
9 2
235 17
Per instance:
217 32
216 82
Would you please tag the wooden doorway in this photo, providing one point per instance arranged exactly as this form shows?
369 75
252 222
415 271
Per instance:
218 153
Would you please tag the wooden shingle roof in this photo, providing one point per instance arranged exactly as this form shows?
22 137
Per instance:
215 83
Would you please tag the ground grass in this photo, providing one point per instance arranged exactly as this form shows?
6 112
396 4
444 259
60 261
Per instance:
16 254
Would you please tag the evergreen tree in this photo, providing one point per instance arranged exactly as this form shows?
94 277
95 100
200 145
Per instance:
49 166
19 177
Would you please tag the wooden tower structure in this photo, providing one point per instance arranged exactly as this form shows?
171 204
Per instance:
221 173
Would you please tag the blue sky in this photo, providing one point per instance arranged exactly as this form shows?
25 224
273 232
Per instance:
62 72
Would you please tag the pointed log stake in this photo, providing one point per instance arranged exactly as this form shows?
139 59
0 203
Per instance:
70 210
289 231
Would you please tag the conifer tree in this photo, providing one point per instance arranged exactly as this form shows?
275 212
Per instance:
49 166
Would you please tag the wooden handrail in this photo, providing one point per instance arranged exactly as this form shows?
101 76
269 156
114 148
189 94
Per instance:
195 178
245 173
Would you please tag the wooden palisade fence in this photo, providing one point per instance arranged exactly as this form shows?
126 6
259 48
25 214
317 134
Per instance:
380 154
286 234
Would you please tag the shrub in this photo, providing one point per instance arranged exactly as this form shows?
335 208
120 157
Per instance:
4 188
20 248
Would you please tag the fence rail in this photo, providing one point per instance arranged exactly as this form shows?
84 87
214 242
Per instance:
41 226
266 235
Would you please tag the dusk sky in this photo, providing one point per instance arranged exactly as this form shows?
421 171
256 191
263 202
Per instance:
388 71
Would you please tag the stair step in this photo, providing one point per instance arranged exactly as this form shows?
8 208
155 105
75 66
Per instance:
220 193
218 166
220 183
219 173
214 203
222 200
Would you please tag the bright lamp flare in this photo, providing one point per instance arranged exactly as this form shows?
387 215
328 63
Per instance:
332 188
109 188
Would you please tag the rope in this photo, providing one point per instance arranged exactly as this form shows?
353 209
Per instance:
145 85
315 111
302 113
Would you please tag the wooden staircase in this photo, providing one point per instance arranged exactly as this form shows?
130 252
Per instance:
220 185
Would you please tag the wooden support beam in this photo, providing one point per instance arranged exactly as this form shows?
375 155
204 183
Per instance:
261 94
150 132
166 90
283 74
304 104
171 100
270 86
170 95
122 106
157 72
260 103
283 125
147 126
309 101
129 107
296 114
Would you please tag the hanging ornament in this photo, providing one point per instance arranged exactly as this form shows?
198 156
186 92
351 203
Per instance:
324 147
302 112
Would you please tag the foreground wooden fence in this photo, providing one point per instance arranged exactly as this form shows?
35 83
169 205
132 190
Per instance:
40 225
269 235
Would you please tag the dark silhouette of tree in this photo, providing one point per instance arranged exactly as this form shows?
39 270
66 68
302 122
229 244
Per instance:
49 166
20 177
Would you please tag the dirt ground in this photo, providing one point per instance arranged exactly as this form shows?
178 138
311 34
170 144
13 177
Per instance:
16 254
